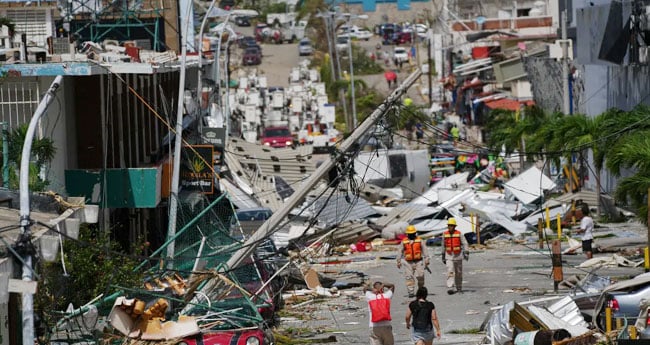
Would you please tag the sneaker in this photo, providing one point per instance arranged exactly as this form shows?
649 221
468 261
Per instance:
459 291
451 292
411 295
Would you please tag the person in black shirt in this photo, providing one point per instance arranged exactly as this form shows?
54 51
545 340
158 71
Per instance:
424 318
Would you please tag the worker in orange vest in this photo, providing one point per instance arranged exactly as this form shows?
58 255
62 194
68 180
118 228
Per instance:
412 251
455 245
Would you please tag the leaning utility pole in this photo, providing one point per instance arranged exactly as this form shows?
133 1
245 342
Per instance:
349 145
24 241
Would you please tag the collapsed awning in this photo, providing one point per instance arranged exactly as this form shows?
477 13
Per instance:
529 185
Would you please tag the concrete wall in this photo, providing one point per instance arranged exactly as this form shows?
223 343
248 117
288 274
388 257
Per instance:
58 124
388 13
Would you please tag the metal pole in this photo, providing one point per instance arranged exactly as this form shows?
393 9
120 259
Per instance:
5 155
329 45
430 62
176 171
26 297
200 71
522 148
645 252
348 145
566 107
354 106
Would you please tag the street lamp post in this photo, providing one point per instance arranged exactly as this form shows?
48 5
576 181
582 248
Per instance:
354 105
326 20
25 222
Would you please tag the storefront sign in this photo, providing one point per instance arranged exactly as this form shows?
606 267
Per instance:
197 168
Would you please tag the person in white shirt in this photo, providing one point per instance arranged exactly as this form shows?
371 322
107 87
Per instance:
381 332
586 229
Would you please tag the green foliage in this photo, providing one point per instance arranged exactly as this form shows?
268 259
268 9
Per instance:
617 139
400 116
362 63
280 7
42 152
465 331
95 265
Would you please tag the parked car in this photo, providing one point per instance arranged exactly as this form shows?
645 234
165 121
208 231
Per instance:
624 299
400 55
242 21
404 38
247 220
246 41
252 56
305 48
248 328
355 33
390 34
242 336
253 276
383 28
277 137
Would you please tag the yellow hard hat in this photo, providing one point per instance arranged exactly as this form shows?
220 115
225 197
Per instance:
451 221
410 229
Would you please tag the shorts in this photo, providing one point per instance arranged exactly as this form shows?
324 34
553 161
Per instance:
425 335
586 245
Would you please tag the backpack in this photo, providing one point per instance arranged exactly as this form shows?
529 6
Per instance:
422 315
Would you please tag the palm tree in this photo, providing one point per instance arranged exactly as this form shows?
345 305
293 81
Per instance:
43 151
632 151
502 133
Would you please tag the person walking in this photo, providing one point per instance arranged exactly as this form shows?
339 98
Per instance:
455 134
413 252
378 297
424 317
586 229
455 245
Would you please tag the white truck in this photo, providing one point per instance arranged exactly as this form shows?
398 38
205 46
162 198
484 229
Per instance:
321 133
292 30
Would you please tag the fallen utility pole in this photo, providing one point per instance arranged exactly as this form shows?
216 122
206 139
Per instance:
271 225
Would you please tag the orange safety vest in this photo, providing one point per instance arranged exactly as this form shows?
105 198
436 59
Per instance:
412 251
452 242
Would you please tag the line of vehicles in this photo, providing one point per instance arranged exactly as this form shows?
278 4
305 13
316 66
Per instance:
279 116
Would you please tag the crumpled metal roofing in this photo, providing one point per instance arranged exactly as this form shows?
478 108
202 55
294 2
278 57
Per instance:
332 211
293 164
404 212
431 195
237 195
255 167
529 185
348 232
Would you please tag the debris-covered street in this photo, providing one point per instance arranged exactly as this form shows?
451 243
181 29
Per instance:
501 272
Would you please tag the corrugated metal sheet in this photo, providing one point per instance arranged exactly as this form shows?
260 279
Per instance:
257 165
339 208
554 322
404 212
348 232
292 164
237 195
568 310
